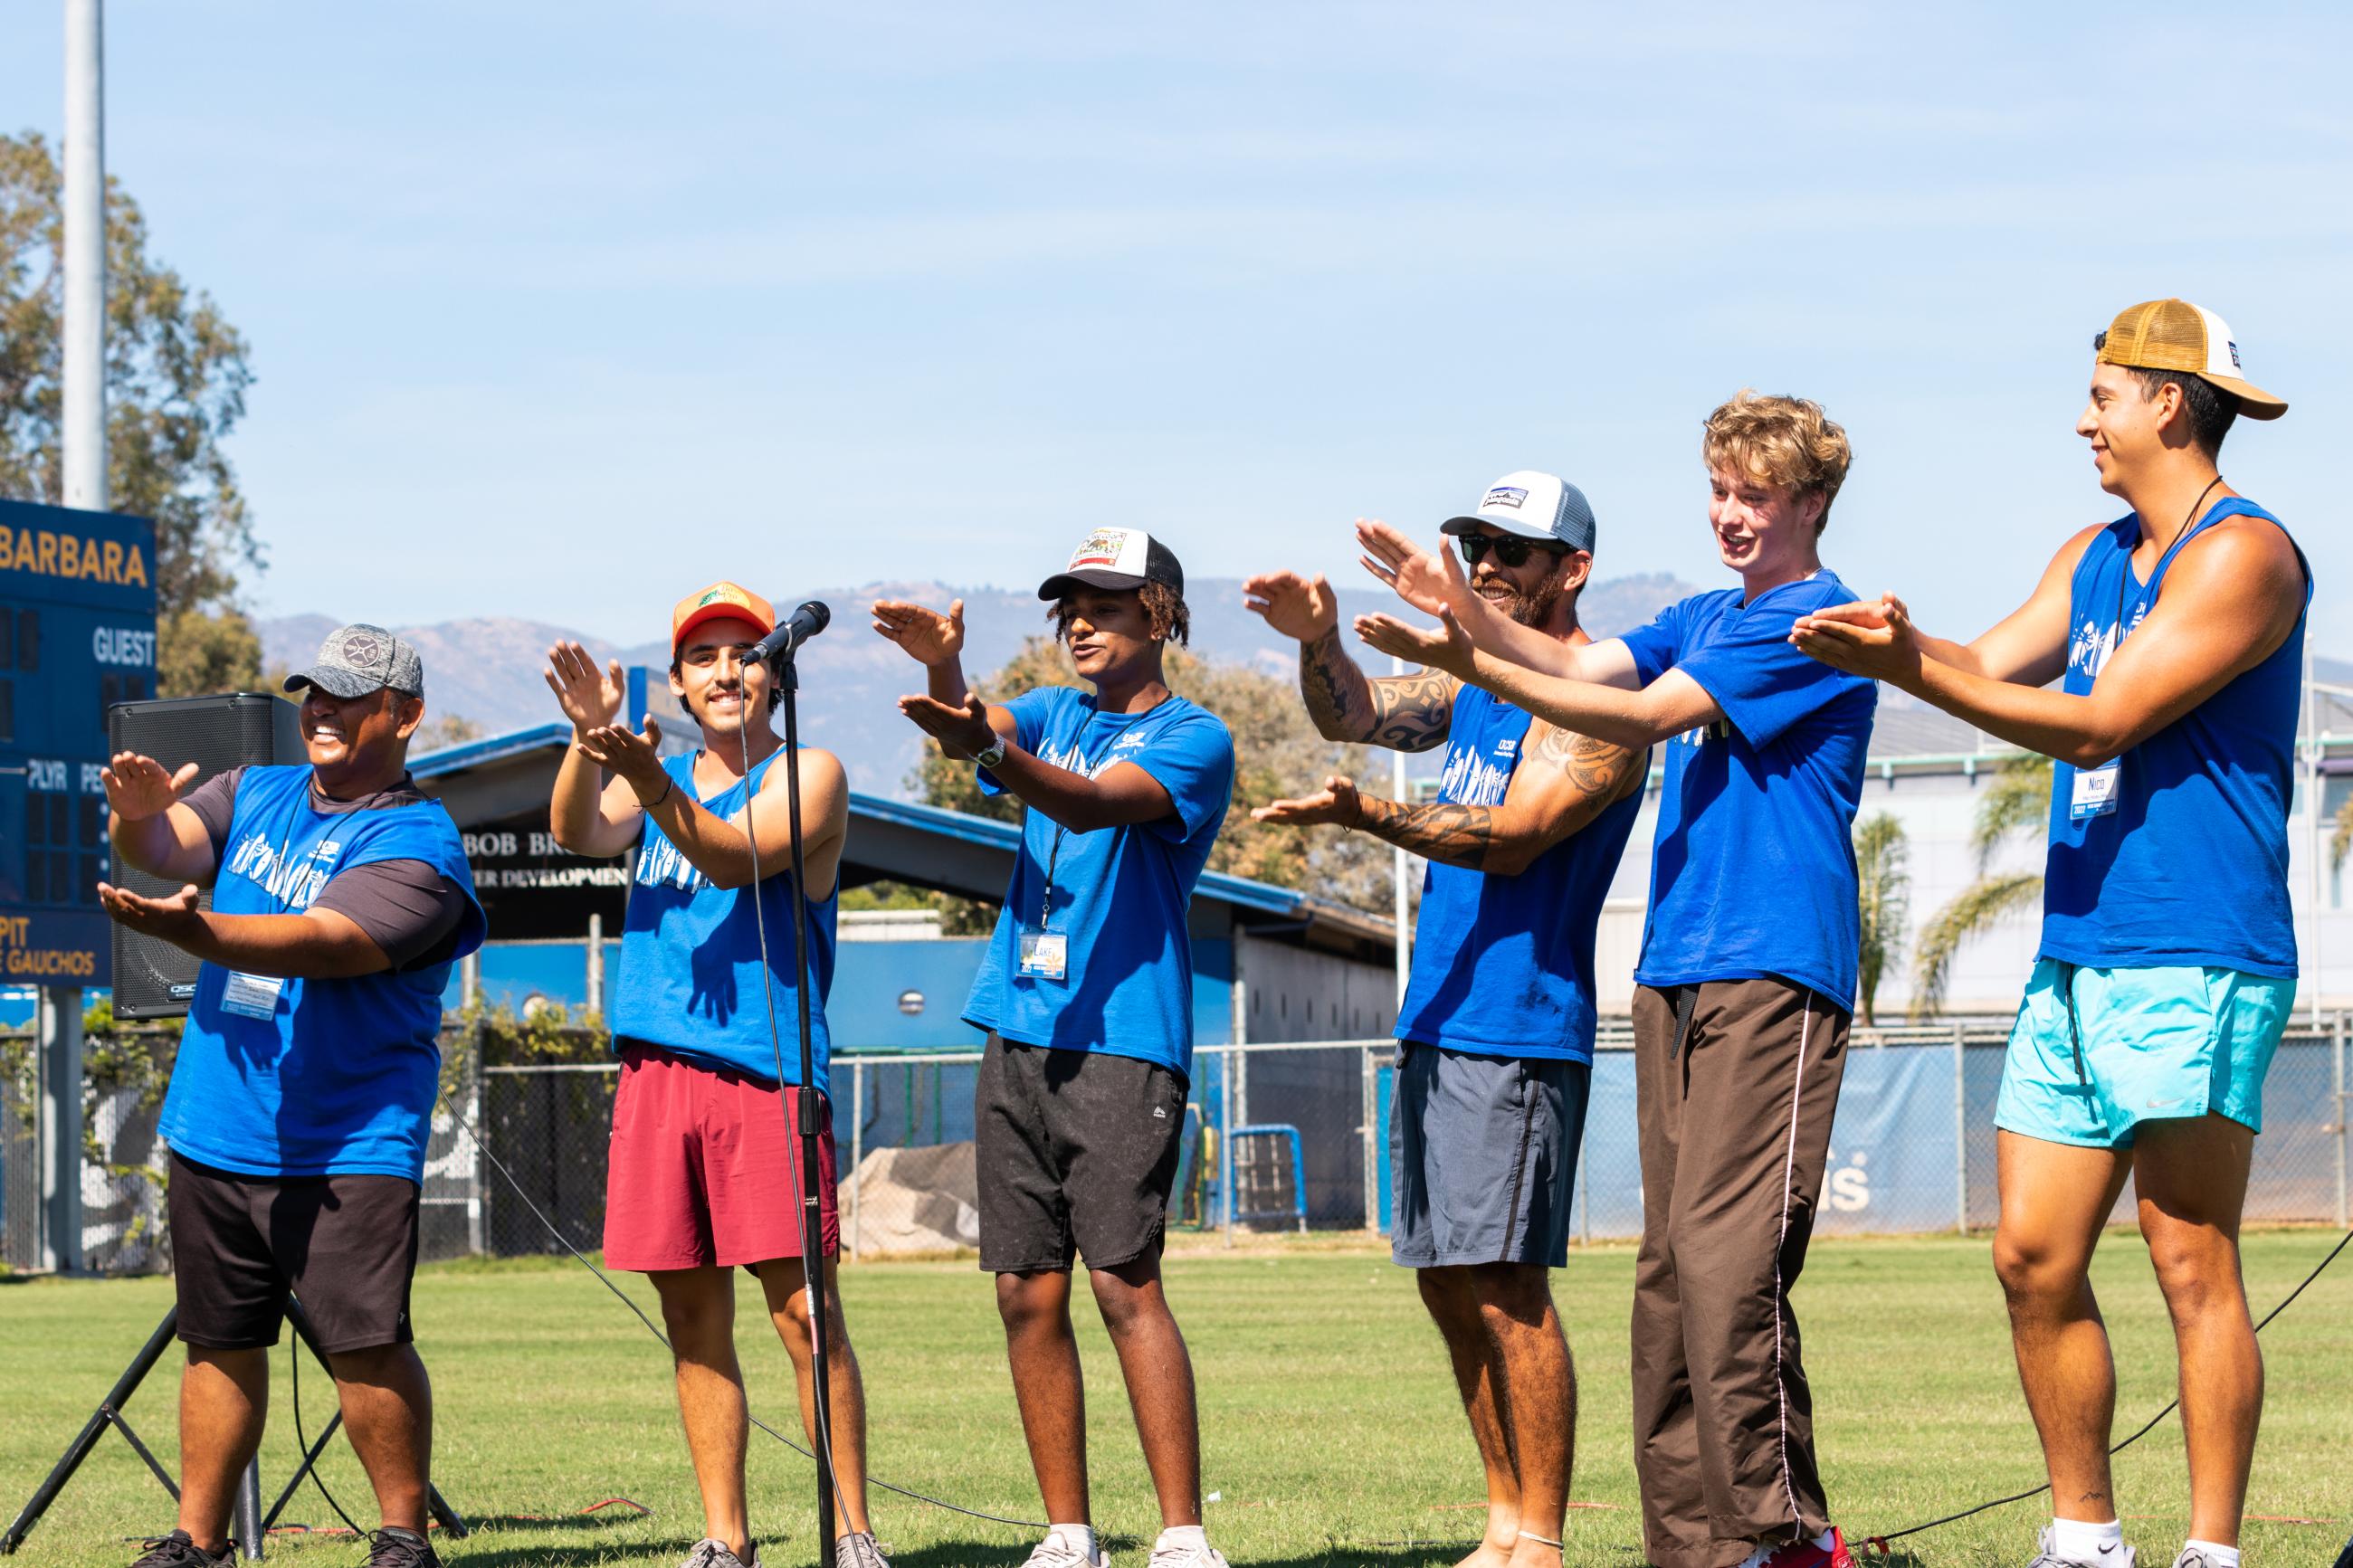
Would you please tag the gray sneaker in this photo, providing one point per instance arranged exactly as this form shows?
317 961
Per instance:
1055 1552
856 1549
711 1552
2109 1557
1204 1556
2192 1558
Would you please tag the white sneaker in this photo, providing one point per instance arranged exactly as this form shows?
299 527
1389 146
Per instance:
2047 1556
713 1552
856 1549
1202 1556
1056 1552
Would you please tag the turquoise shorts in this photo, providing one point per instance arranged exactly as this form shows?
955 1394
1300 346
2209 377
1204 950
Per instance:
2096 1052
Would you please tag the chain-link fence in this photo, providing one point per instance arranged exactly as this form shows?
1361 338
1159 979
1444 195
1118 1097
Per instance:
1277 1139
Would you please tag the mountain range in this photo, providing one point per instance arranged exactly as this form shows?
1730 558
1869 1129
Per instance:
486 669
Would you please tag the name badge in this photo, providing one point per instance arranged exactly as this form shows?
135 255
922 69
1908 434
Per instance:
1045 954
2095 793
252 996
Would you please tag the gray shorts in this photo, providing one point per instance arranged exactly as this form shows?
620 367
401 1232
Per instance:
1484 1152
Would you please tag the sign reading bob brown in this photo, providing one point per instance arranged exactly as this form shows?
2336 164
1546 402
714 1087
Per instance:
536 892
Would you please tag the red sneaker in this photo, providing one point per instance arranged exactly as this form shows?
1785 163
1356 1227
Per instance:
1827 1550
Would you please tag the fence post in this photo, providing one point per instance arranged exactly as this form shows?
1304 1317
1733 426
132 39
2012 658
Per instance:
596 966
1226 1145
1584 1198
478 1185
57 1044
1372 1138
2337 1071
1960 1132
469 981
856 1149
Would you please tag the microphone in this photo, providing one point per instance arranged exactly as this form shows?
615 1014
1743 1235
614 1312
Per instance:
797 628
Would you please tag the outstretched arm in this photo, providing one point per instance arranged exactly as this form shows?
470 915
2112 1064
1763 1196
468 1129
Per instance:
1122 795
1631 719
719 847
936 642
2028 646
1436 584
318 945
151 829
1562 783
1403 712
2232 597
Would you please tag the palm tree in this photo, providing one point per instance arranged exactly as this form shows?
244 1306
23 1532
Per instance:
1884 893
2017 799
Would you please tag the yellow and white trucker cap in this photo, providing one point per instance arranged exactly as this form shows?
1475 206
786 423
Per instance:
2174 335
1116 558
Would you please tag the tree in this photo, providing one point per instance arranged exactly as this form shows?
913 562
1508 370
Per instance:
1277 752
175 384
2017 799
1884 896
442 730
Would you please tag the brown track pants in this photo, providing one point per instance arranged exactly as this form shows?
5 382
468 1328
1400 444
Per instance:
1737 1083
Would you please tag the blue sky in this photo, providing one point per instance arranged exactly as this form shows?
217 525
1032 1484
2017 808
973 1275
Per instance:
560 310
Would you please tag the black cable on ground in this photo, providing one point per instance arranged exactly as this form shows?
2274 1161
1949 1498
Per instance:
652 1328
302 1443
1881 1542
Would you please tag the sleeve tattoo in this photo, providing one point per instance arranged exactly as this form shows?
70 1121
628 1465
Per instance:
1599 769
1449 832
1404 713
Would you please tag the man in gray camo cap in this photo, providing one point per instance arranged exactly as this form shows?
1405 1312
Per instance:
304 1083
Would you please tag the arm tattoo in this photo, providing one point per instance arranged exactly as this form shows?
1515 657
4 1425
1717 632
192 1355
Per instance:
1446 831
1404 713
1335 688
1597 768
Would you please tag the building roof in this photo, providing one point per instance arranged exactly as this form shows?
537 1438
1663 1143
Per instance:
896 840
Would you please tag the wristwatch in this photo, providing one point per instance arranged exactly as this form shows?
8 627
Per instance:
988 756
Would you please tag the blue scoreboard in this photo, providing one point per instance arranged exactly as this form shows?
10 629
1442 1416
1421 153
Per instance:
77 635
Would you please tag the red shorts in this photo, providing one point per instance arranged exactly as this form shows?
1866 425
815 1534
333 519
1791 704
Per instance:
706 1169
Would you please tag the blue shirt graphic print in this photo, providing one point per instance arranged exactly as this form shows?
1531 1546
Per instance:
1752 864
289 1077
1503 966
1120 895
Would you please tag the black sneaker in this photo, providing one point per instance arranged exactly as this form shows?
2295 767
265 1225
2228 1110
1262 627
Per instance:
393 1546
178 1550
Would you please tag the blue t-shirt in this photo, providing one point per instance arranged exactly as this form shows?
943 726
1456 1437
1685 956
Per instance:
308 1078
1120 895
2176 853
691 963
1752 865
1503 966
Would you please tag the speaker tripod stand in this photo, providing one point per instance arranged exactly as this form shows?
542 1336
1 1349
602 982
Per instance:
251 1524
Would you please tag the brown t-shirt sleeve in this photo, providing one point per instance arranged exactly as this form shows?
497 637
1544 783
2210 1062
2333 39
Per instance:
215 802
406 907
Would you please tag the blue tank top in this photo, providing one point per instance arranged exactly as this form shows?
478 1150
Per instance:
2178 855
1503 966
689 978
282 1077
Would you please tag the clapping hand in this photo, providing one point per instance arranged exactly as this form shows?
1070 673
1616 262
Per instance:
1427 582
175 918
137 787
590 698
1336 802
962 733
1446 647
1301 608
636 757
928 637
1868 637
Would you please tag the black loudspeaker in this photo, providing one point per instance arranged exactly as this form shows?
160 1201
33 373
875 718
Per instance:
154 979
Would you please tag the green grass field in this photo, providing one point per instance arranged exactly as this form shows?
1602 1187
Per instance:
1330 1431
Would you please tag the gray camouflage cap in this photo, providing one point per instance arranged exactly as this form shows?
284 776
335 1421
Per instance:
358 658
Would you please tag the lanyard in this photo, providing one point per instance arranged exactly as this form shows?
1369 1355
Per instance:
1054 856
2125 582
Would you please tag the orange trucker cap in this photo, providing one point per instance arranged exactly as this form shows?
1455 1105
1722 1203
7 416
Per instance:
2174 335
721 601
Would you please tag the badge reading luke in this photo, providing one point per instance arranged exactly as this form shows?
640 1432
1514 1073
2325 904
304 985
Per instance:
1045 954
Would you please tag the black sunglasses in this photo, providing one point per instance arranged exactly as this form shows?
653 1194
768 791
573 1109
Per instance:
1509 548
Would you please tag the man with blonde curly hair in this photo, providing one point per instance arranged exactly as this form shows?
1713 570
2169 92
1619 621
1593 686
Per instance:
1747 973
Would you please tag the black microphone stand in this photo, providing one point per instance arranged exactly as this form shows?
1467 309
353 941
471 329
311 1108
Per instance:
812 1105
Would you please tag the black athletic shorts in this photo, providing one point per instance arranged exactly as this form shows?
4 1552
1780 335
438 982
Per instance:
346 1247
1077 1151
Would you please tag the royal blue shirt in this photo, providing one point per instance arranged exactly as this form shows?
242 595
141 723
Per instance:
2175 854
1752 865
1503 966
284 1077
1120 895
692 966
